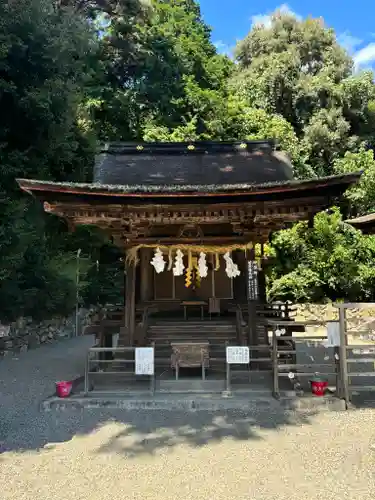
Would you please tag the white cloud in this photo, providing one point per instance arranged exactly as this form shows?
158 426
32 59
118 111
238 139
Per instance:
364 57
349 42
266 19
224 48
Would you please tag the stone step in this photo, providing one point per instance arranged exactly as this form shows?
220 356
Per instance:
192 326
196 330
250 400
212 341
189 386
168 342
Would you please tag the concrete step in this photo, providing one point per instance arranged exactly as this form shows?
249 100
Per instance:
189 386
212 342
252 401
195 332
186 324
197 327
192 326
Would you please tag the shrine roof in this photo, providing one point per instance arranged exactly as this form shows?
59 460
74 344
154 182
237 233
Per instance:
336 184
363 219
191 163
366 223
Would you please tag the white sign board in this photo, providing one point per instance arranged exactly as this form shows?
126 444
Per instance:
238 355
4 331
144 360
333 333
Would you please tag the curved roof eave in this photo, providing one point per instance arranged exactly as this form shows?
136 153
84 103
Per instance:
168 191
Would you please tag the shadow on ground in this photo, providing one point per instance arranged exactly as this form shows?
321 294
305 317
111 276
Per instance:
26 382
142 432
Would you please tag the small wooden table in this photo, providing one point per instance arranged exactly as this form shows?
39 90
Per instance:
190 355
194 303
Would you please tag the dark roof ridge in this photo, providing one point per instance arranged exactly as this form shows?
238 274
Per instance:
186 147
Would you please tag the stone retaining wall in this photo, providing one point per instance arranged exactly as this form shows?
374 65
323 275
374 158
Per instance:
25 334
358 319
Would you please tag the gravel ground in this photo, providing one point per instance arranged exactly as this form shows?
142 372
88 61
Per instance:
99 455
28 378
151 456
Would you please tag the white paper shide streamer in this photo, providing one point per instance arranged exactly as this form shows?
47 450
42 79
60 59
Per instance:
231 268
202 265
158 261
179 267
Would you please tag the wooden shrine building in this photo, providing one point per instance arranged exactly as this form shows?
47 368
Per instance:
193 219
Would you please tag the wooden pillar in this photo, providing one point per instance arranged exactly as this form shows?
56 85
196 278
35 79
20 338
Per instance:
130 270
252 303
262 286
262 278
240 289
145 273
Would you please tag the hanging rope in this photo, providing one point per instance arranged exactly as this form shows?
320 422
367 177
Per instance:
170 259
132 253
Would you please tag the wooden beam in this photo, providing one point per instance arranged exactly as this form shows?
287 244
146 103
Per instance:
215 240
94 213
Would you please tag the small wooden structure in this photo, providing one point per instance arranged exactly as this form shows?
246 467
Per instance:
222 199
366 223
190 355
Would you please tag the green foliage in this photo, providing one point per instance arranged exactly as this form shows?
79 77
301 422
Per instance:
161 67
74 71
361 196
298 70
331 260
44 65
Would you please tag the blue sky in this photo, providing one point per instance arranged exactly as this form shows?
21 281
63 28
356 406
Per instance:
353 21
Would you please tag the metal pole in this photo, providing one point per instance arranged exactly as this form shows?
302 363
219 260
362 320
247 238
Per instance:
86 389
227 375
228 378
276 391
343 355
153 381
77 291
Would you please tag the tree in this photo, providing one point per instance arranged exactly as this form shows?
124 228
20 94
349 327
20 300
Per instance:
44 65
151 81
332 260
361 197
297 69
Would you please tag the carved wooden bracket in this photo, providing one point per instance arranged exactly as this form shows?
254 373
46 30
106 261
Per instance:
190 231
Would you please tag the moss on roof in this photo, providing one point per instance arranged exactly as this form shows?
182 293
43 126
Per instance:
183 188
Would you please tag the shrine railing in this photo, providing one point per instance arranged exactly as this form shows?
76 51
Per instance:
357 348
286 349
124 379
347 360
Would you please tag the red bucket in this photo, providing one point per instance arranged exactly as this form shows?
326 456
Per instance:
63 389
318 386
